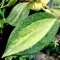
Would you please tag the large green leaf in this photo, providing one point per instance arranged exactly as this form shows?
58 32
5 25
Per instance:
29 32
43 43
18 13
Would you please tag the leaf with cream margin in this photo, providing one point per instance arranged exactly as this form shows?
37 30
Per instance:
18 13
28 33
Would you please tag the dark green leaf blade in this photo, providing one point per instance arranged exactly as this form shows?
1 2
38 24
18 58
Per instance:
43 43
21 32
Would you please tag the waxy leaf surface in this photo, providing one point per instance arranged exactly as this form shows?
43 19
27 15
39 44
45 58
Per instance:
31 31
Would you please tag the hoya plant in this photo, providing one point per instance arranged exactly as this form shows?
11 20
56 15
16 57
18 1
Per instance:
32 32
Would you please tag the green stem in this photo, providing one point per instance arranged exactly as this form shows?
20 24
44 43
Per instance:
53 12
2 2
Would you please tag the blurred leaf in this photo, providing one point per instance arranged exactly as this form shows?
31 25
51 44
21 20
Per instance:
18 13
56 2
11 2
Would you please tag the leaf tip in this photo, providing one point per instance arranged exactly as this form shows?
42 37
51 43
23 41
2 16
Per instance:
4 55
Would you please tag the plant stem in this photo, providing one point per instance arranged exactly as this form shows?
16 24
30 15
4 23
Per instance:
2 2
53 12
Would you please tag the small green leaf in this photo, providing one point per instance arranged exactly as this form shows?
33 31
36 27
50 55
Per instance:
18 13
57 11
31 31
11 2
